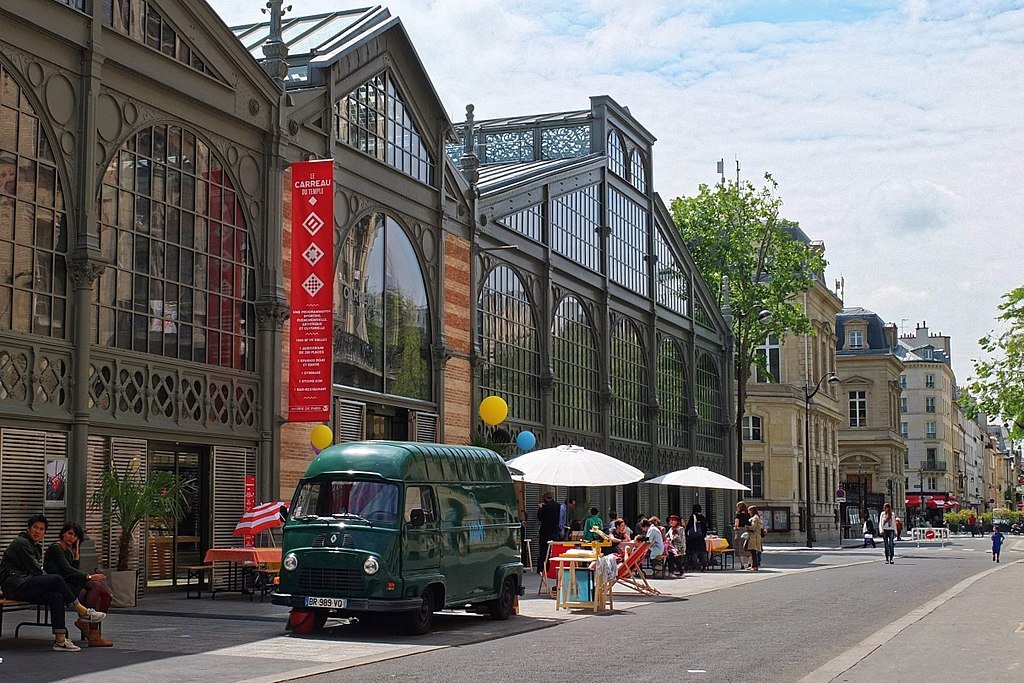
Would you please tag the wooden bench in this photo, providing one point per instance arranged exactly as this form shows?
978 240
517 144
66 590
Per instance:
728 556
264 579
8 605
199 573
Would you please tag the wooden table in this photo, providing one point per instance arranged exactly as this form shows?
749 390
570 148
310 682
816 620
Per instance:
238 558
571 570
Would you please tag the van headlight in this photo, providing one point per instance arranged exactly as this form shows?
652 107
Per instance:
371 566
290 562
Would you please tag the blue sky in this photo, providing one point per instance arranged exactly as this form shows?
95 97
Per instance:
894 129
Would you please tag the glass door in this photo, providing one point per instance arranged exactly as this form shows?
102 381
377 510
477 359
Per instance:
174 546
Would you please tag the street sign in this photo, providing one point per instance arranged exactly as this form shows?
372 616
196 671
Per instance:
841 495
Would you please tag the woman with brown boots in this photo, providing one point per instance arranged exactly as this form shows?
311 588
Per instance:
62 559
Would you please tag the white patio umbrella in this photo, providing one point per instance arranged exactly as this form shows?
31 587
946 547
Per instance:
698 477
573 466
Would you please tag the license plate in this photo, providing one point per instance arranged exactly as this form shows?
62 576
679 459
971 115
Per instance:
330 603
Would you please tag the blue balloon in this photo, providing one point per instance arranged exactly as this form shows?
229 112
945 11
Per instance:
526 440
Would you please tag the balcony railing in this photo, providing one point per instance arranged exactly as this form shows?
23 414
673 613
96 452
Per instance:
934 465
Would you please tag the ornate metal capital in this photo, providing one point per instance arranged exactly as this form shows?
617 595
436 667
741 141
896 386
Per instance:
441 352
654 407
546 380
607 396
272 313
84 272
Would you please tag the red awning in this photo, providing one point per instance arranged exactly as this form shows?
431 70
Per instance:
913 501
939 501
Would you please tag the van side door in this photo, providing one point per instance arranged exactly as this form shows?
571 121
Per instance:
421 552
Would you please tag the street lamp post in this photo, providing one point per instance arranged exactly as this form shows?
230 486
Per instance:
808 395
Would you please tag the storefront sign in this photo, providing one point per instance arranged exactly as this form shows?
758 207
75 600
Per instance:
248 541
312 277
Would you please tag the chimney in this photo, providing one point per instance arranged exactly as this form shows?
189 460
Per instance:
891 335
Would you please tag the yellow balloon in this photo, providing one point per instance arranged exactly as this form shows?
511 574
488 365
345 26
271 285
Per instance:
493 410
321 437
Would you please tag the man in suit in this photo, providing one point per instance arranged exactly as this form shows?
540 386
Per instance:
548 515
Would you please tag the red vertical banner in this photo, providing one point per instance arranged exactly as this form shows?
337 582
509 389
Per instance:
312 278
250 503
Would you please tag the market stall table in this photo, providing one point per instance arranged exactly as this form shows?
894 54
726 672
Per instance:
238 559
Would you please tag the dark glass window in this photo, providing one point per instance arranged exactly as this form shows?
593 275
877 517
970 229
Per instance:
768 357
142 21
629 382
33 224
77 4
528 222
752 428
381 317
508 344
575 361
673 396
575 219
627 243
709 406
616 155
671 283
637 170
182 283
753 478
373 119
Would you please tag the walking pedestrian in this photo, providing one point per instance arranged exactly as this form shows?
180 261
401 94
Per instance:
754 542
740 533
696 531
972 522
899 529
547 518
887 525
869 532
997 543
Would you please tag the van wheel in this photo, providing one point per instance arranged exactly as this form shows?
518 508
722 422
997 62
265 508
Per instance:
504 605
419 622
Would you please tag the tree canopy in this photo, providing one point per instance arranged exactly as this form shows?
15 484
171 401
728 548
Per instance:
735 231
998 388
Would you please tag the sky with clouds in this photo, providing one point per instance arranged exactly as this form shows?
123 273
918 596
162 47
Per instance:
895 129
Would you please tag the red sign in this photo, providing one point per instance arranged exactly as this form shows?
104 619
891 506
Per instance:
312 300
929 534
248 540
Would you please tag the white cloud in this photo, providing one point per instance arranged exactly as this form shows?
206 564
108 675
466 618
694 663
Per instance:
894 130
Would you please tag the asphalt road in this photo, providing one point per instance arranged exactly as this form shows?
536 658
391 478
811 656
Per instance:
779 629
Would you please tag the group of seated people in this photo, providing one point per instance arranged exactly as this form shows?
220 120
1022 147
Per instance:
53 579
673 547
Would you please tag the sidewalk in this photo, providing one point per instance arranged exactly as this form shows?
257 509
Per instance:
232 639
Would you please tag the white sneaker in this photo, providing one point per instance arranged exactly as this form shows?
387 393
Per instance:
92 616
66 646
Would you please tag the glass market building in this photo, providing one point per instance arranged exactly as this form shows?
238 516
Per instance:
144 260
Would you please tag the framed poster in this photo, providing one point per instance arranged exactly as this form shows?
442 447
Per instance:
55 495
780 519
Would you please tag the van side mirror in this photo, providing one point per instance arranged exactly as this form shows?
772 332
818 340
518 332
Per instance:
417 518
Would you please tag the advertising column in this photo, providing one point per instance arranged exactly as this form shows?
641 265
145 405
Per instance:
312 320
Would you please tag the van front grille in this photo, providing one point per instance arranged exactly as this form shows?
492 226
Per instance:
330 579
321 541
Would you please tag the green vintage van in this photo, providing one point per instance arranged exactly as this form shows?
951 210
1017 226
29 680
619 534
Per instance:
402 529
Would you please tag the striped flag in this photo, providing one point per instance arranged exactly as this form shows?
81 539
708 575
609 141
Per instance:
260 518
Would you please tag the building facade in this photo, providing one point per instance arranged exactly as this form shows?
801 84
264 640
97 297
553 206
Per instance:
774 425
872 451
146 220
928 420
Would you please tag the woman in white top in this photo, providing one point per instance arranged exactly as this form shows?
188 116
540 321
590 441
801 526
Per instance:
887 525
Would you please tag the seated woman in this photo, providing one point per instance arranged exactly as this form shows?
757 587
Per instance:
22 578
62 559
675 544
576 530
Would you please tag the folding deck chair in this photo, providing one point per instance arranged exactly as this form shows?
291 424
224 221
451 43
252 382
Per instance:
549 577
631 574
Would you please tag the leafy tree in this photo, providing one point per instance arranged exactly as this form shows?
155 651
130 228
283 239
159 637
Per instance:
998 388
735 232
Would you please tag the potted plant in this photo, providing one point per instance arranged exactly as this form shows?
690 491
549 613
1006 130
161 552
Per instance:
127 500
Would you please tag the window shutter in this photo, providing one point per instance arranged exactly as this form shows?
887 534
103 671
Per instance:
424 427
96 522
231 464
23 479
349 421
124 452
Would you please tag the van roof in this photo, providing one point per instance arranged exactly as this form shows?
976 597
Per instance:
412 461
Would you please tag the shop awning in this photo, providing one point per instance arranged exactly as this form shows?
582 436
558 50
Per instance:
939 501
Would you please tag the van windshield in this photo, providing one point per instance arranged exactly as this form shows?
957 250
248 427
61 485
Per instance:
373 502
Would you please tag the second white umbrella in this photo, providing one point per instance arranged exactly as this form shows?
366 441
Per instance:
698 477
573 466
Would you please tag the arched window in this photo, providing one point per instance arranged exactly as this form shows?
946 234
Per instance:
752 428
637 170
574 356
673 396
33 224
709 406
182 282
382 316
508 344
616 155
629 382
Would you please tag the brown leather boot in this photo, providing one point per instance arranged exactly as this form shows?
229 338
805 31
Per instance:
85 627
96 638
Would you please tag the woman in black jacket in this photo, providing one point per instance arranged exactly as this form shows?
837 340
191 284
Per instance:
61 558
22 578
